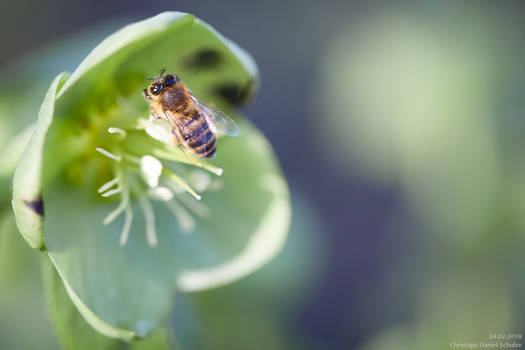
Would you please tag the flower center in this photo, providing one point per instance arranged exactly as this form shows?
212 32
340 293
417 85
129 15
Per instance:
142 155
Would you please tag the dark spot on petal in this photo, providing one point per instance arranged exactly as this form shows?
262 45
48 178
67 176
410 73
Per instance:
205 58
234 93
37 206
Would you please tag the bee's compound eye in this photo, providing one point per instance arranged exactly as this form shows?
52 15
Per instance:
156 89
170 80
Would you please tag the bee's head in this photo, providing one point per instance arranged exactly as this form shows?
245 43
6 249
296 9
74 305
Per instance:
160 83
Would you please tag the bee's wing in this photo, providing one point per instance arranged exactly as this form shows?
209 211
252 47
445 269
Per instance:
219 122
171 119
178 129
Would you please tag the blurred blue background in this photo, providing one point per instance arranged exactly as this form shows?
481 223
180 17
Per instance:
399 127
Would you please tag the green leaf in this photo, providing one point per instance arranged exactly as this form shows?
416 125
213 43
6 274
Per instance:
72 329
27 184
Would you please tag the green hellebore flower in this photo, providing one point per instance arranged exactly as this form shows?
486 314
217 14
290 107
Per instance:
123 216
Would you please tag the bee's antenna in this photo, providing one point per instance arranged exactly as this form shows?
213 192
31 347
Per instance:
160 75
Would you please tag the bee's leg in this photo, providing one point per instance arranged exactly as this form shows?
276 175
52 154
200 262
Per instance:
173 130
154 115
189 156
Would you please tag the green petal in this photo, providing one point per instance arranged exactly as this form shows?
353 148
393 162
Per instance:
200 321
20 102
72 329
215 68
27 184
93 319
10 154
132 287
251 215
22 313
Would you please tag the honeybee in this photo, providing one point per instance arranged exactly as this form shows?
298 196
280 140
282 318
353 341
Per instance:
194 123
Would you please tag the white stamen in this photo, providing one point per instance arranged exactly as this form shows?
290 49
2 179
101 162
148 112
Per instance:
189 157
108 185
216 185
176 182
108 154
127 226
216 171
185 158
151 169
159 131
113 215
151 235
112 192
195 206
121 132
124 206
160 193
176 188
186 222
200 180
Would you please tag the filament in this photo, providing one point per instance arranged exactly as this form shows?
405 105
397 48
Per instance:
160 153
108 154
151 235
108 185
112 192
160 193
127 226
113 130
200 180
197 207
175 179
216 171
186 222
123 205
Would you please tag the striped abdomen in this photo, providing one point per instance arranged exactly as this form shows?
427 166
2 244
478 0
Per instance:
197 136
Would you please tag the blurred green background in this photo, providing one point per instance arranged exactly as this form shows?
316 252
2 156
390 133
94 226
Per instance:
399 126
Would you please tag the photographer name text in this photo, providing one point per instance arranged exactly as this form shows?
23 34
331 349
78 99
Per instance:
489 345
